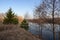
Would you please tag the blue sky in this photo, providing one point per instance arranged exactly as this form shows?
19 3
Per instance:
20 7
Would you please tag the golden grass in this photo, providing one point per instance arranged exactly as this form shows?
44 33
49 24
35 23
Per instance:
14 32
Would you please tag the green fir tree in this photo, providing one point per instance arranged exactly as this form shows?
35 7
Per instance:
10 18
24 25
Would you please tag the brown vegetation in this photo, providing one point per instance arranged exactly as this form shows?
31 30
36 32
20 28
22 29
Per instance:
13 32
48 20
20 18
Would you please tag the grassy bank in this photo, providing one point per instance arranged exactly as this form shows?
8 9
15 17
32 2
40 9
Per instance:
14 32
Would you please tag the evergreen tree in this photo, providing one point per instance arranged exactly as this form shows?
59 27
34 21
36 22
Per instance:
24 25
10 18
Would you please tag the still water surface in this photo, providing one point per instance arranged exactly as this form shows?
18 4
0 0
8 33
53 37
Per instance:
47 31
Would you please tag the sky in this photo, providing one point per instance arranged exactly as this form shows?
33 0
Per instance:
20 7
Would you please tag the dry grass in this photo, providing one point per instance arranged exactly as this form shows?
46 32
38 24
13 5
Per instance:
8 27
13 32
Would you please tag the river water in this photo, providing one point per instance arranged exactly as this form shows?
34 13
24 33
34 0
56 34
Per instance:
47 31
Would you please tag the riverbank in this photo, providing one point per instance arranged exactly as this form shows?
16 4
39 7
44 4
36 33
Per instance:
12 32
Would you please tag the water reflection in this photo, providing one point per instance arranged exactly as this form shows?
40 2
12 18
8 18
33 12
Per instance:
47 31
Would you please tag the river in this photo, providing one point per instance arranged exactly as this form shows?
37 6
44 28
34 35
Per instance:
47 31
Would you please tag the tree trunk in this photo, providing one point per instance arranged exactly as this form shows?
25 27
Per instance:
54 37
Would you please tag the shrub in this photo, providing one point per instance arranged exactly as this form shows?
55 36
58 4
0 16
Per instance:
24 25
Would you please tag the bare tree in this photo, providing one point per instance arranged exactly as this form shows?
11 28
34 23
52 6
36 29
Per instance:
27 16
53 5
48 8
40 13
